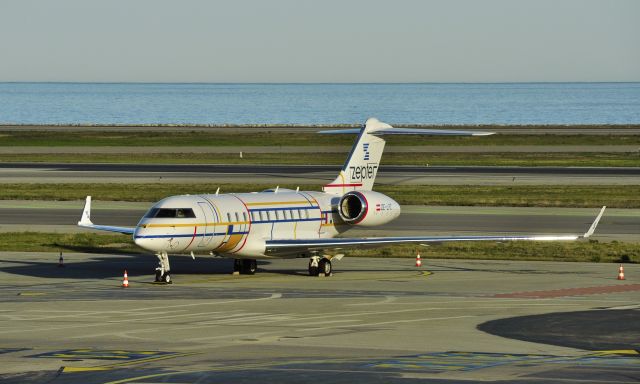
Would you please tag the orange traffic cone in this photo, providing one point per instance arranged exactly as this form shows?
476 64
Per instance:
418 260
620 273
60 261
125 281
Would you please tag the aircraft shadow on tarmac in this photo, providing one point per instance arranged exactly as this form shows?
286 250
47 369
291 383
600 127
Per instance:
101 266
111 265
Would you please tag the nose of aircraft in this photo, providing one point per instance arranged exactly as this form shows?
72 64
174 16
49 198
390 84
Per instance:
141 240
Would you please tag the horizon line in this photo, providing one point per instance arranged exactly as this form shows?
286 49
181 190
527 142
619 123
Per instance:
321 83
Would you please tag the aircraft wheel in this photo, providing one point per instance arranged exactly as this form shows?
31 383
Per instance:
249 266
238 265
313 271
158 275
167 278
325 267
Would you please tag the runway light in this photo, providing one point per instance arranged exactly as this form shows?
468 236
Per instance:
621 273
418 260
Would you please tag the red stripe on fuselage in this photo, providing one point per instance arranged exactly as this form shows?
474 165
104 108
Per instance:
195 229
344 185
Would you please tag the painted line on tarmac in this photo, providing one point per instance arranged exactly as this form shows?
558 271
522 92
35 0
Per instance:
397 322
387 300
167 355
428 363
75 326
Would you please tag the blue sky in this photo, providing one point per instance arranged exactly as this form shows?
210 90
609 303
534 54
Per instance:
320 41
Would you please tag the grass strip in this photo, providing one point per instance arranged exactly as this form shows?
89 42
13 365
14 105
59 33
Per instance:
570 196
584 251
556 159
275 138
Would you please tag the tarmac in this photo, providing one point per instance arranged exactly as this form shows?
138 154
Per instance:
374 321
312 174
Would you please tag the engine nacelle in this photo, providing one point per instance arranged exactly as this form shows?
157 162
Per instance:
367 208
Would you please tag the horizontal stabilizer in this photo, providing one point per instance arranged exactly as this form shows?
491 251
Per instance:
410 131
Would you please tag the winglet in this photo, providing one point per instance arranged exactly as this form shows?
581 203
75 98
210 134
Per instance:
592 229
85 220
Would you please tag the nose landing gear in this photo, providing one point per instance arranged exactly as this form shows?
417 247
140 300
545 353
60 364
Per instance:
163 272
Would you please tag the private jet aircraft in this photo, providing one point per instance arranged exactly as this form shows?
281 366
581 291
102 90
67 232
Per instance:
282 223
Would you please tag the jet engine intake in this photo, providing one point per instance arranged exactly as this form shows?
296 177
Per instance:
367 208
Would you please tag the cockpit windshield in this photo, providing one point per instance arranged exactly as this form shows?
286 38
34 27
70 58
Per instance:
170 213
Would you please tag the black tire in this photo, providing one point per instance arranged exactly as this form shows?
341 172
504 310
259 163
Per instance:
313 271
158 276
166 278
249 266
324 267
238 265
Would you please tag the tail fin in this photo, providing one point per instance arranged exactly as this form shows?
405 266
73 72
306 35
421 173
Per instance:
360 170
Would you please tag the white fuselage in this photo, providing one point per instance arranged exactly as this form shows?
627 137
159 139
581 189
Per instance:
239 224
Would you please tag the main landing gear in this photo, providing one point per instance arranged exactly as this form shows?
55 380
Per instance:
245 266
319 266
163 272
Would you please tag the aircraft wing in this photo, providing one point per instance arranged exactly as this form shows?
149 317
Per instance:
85 221
284 247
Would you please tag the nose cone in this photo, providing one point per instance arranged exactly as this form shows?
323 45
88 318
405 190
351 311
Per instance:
141 239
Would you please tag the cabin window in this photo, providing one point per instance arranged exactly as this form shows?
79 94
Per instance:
300 213
294 214
228 217
269 215
286 215
263 216
171 213
237 217
277 215
244 216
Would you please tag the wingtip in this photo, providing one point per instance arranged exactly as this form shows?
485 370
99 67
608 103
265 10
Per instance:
85 220
592 229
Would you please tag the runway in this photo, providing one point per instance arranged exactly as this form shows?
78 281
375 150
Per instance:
343 151
617 224
374 321
311 174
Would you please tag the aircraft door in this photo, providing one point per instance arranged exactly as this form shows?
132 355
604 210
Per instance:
209 224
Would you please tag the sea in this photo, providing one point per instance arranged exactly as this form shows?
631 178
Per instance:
319 104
